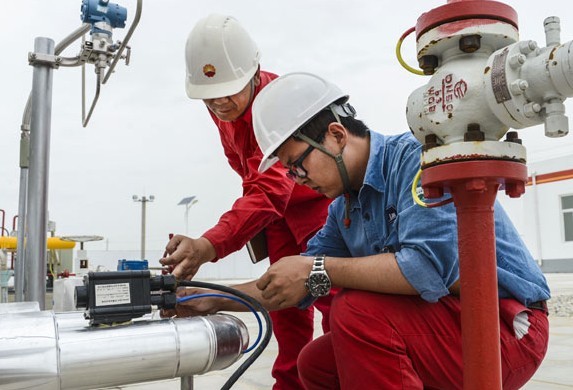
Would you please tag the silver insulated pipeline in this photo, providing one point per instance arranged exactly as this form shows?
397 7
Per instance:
44 350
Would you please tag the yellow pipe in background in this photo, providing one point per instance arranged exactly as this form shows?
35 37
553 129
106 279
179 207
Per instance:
7 242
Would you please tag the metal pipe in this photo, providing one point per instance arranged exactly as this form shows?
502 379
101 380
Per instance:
478 285
125 40
3 220
474 186
59 351
37 199
552 27
60 47
186 383
19 272
24 165
96 97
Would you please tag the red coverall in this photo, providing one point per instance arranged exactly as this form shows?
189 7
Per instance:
290 215
418 346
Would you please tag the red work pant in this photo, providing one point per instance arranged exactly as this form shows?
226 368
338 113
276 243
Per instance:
293 328
380 341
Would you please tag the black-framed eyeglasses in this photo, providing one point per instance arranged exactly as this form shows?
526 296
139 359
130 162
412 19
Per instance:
296 169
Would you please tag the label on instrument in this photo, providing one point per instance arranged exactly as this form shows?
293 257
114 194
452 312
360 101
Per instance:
112 294
499 79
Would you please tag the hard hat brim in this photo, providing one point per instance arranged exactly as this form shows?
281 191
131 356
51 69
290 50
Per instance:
267 162
217 90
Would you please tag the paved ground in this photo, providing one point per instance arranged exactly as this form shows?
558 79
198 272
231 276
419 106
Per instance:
554 374
555 371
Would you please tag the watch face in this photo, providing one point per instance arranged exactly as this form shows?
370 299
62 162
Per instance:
319 284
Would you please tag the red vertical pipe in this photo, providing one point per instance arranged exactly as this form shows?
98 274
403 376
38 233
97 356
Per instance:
474 186
474 202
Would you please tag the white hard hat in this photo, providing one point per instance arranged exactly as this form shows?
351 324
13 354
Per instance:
285 105
221 58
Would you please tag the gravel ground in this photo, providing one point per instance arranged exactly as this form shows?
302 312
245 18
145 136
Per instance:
561 306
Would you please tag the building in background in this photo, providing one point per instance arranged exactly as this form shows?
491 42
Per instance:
544 214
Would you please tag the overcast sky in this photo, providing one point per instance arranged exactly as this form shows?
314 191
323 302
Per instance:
147 138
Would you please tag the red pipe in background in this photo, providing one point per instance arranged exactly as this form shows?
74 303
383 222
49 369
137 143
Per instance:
473 186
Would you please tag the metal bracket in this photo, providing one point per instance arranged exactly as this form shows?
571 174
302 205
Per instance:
53 60
44 59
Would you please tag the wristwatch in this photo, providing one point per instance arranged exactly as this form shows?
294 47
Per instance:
318 282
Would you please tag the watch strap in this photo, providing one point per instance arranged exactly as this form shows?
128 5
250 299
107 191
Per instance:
318 264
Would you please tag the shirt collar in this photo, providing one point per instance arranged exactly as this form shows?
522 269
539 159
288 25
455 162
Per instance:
374 177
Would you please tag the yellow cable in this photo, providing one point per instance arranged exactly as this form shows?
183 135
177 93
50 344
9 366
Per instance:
414 186
419 201
399 53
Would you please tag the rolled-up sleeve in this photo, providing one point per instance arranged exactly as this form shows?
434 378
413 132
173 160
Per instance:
428 253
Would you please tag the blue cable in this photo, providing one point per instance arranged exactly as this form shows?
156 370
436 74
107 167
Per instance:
251 308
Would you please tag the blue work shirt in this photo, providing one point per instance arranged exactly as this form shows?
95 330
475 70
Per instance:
385 218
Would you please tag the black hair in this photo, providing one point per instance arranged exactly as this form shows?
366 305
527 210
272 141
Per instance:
316 128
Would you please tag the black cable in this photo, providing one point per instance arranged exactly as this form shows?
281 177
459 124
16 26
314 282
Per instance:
269 327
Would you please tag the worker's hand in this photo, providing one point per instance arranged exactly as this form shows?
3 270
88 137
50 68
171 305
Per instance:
186 255
283 285
199 306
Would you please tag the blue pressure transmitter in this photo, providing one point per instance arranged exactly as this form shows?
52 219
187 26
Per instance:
97 11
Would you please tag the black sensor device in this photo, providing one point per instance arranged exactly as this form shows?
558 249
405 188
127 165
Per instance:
120 296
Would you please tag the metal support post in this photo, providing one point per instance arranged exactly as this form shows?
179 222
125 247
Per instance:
36 216
143 201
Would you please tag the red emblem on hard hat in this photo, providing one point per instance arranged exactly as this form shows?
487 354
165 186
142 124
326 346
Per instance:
209 70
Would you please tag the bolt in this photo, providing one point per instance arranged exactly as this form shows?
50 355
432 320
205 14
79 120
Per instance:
519 86
475 185
517 60
433 192
430 141
531 109
474 133
470 43
512 136
428 64
515 190
526 47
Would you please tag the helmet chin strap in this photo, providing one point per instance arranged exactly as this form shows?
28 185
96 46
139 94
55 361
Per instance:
339 164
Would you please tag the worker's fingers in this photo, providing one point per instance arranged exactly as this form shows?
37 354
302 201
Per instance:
169 260
185 270
263 281
174 258
267 293
173 243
